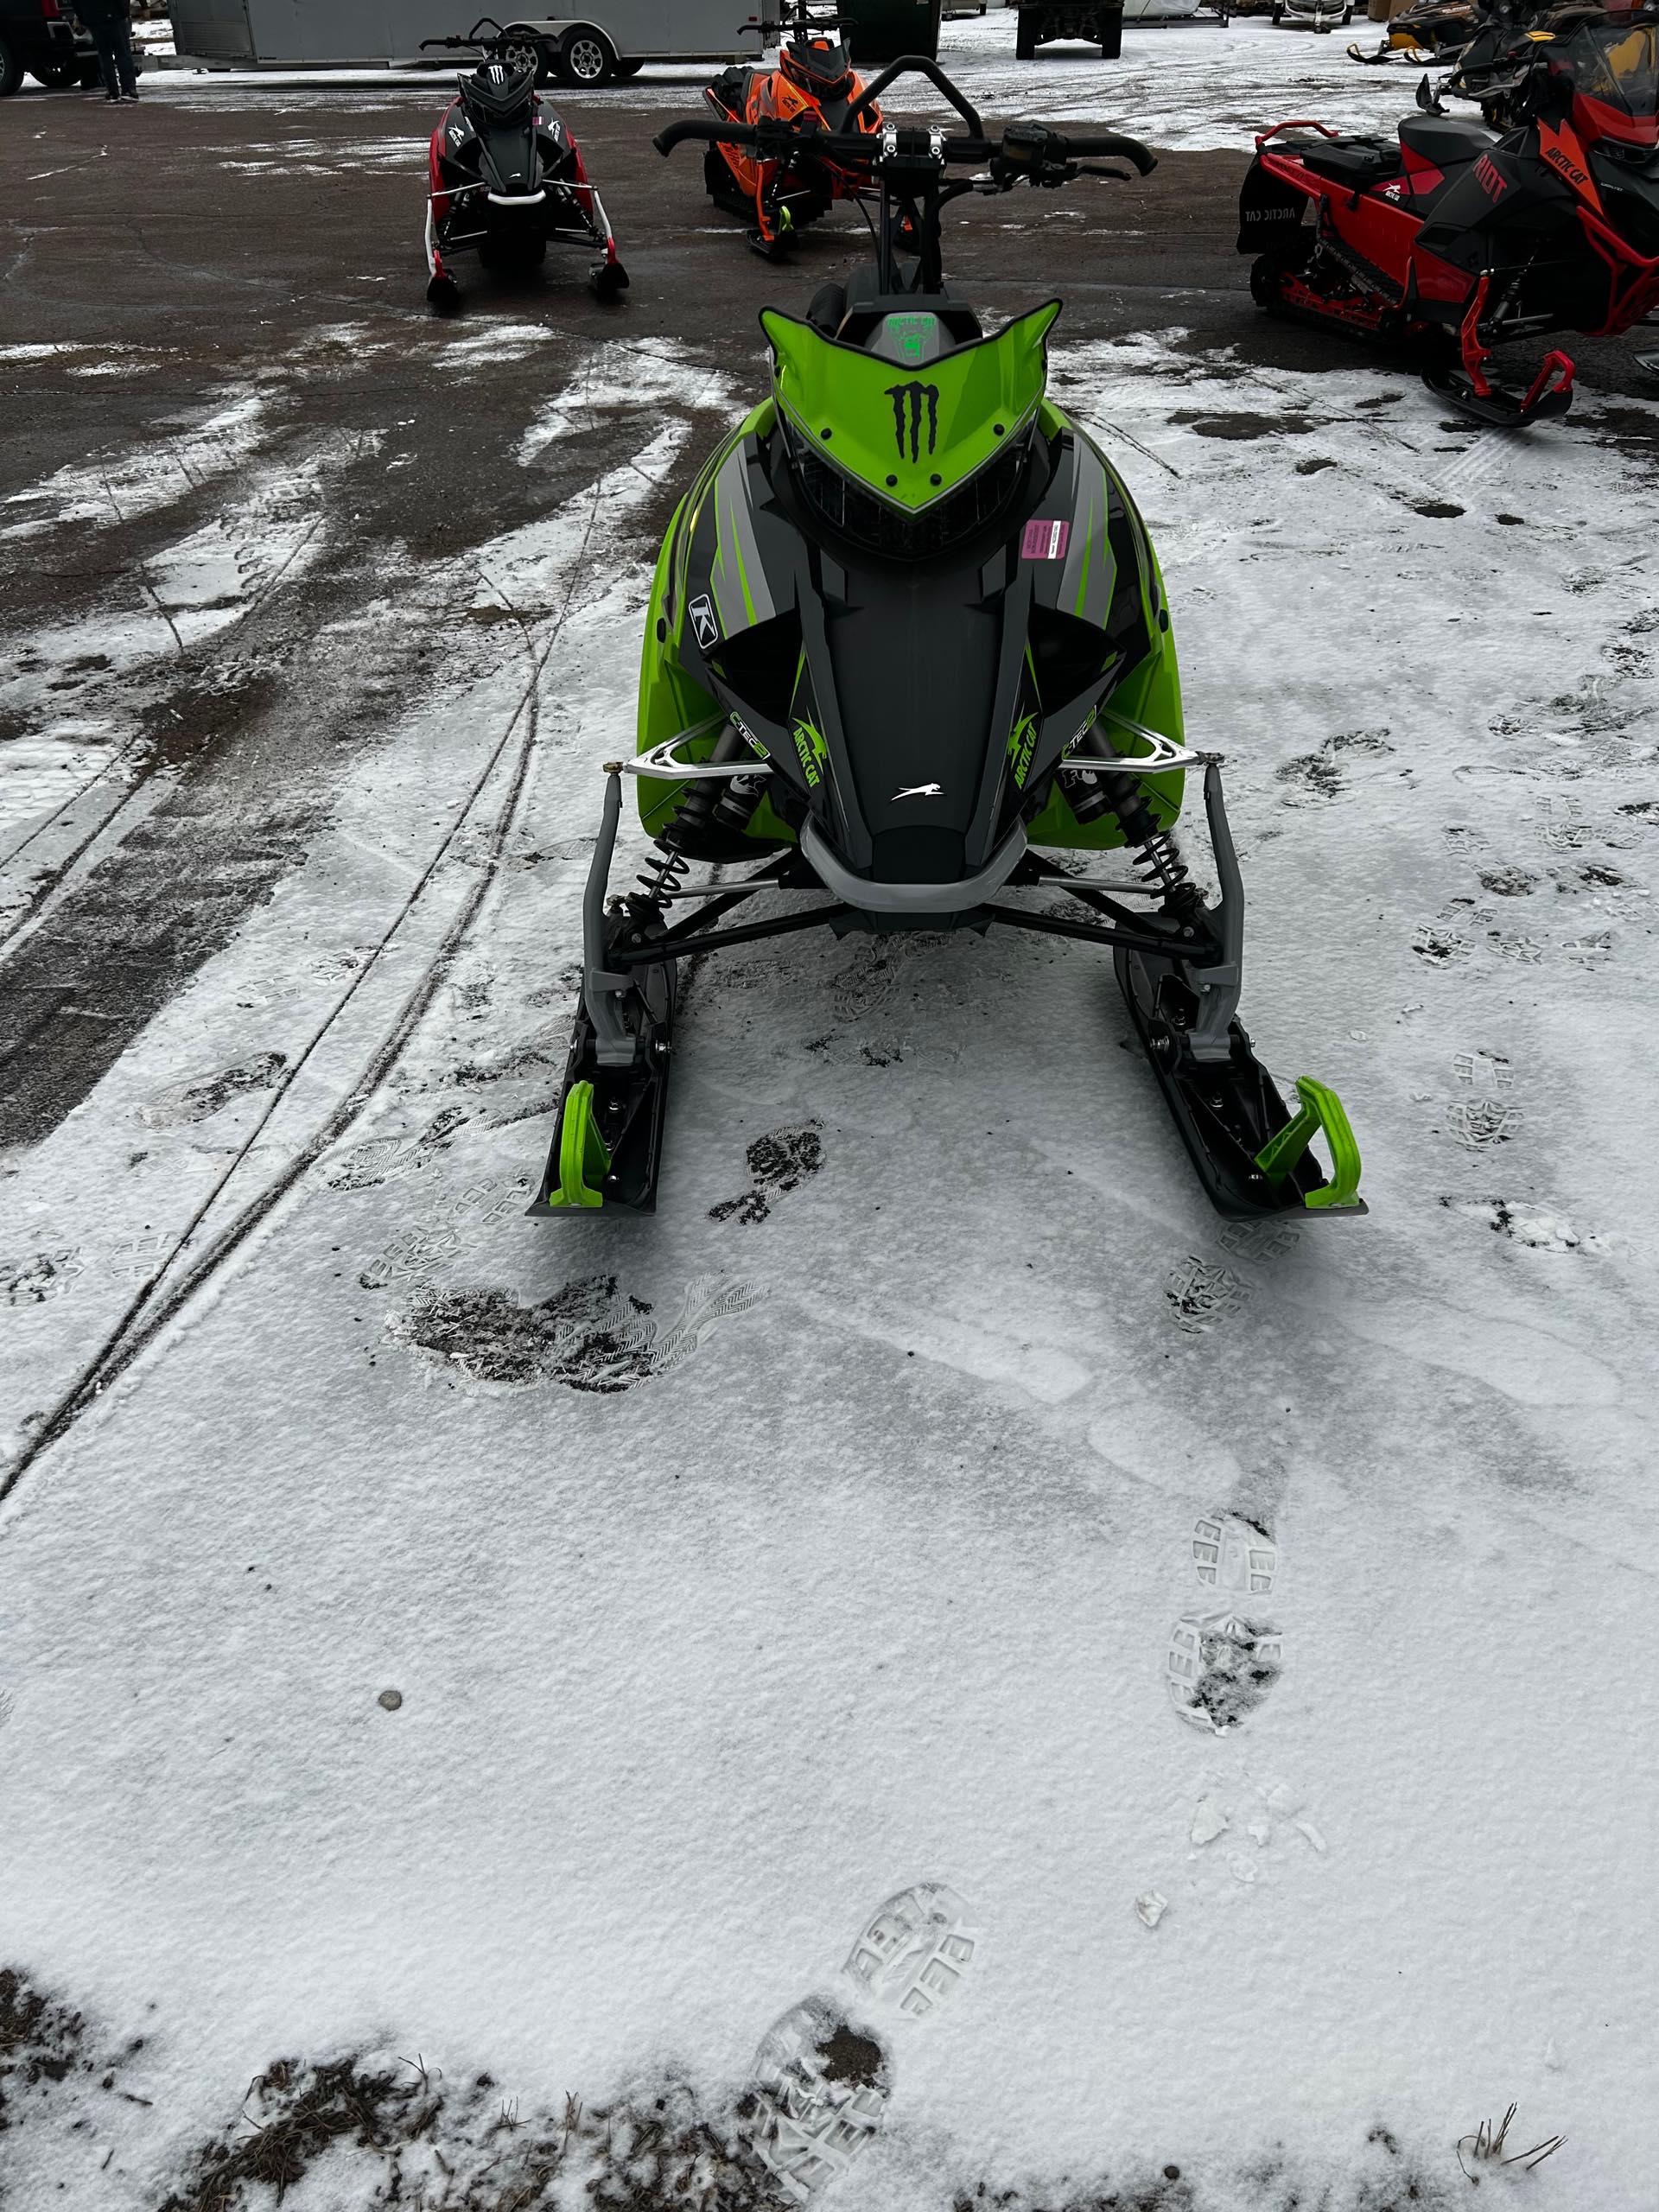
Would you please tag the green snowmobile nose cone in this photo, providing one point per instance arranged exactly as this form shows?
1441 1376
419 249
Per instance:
913 429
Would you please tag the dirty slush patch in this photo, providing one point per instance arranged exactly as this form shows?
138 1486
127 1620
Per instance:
376 2129
587 1336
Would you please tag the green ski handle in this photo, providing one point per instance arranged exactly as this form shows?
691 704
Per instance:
584 1156
1321 1113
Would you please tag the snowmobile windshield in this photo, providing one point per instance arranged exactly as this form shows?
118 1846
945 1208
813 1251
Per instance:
500 94
1618 69
819 65
914 421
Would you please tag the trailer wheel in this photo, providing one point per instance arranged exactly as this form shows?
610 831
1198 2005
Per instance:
1025 35
11 70
587 57
630 68
526 49
1111 43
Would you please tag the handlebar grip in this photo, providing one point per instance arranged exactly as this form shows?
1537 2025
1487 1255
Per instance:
708 133
1110 143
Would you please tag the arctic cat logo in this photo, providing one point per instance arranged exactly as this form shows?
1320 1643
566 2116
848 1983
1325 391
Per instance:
1561 149
918 790
908 402
1022 743
704 622
814 753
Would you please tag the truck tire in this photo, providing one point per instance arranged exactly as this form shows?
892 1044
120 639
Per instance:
56 76
11 70
1025 35
587 57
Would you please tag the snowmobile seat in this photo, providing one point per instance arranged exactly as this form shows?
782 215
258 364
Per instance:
1356 161
1444 140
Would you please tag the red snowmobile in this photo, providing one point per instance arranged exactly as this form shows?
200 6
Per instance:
507 179
1449 233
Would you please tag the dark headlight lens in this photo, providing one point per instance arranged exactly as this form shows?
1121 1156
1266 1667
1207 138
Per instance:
853 511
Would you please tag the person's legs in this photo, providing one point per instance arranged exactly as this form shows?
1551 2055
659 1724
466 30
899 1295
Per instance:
121 35
103 38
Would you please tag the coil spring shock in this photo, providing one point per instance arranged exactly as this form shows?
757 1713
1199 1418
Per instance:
695 813
663 869
1156 855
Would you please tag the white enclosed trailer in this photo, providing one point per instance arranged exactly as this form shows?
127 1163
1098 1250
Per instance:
610 38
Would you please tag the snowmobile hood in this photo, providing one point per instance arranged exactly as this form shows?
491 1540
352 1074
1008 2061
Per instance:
912 430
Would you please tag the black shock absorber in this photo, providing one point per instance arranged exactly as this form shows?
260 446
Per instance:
1091 791
706 804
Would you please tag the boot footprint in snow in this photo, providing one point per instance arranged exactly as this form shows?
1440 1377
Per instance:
818 2098
821 2079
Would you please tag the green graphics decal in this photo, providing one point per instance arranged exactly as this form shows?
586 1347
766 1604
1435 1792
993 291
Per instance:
815 753
1022 743
912 440
910 339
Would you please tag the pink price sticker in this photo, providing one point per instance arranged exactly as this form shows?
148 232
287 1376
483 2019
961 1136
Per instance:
1046 541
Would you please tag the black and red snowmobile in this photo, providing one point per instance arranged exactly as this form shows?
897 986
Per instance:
1449 234
506 179
813 89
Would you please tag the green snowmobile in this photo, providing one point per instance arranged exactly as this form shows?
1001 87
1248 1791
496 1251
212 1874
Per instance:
908 640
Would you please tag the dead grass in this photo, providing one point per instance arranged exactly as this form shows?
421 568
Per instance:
429 2145
41 2041
1485 2147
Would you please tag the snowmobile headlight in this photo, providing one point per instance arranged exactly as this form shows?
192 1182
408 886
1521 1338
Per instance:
846 506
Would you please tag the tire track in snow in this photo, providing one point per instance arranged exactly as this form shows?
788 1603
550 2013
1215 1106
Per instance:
39 902
169 1288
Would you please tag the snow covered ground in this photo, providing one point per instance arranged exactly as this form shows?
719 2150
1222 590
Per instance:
536 1650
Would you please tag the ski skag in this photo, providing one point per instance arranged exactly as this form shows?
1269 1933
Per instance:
908 654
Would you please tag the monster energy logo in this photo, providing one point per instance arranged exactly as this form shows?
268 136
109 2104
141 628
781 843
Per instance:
908 401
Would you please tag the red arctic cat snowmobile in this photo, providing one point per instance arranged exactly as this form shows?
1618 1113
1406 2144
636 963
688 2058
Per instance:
507 179
1470 240
812 87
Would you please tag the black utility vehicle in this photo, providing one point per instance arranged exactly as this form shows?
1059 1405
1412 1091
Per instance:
42 37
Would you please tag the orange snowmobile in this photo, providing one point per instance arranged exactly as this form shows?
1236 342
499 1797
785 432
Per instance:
812 88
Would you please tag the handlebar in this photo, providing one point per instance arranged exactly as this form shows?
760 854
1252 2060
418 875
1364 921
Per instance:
472 39
1024 148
